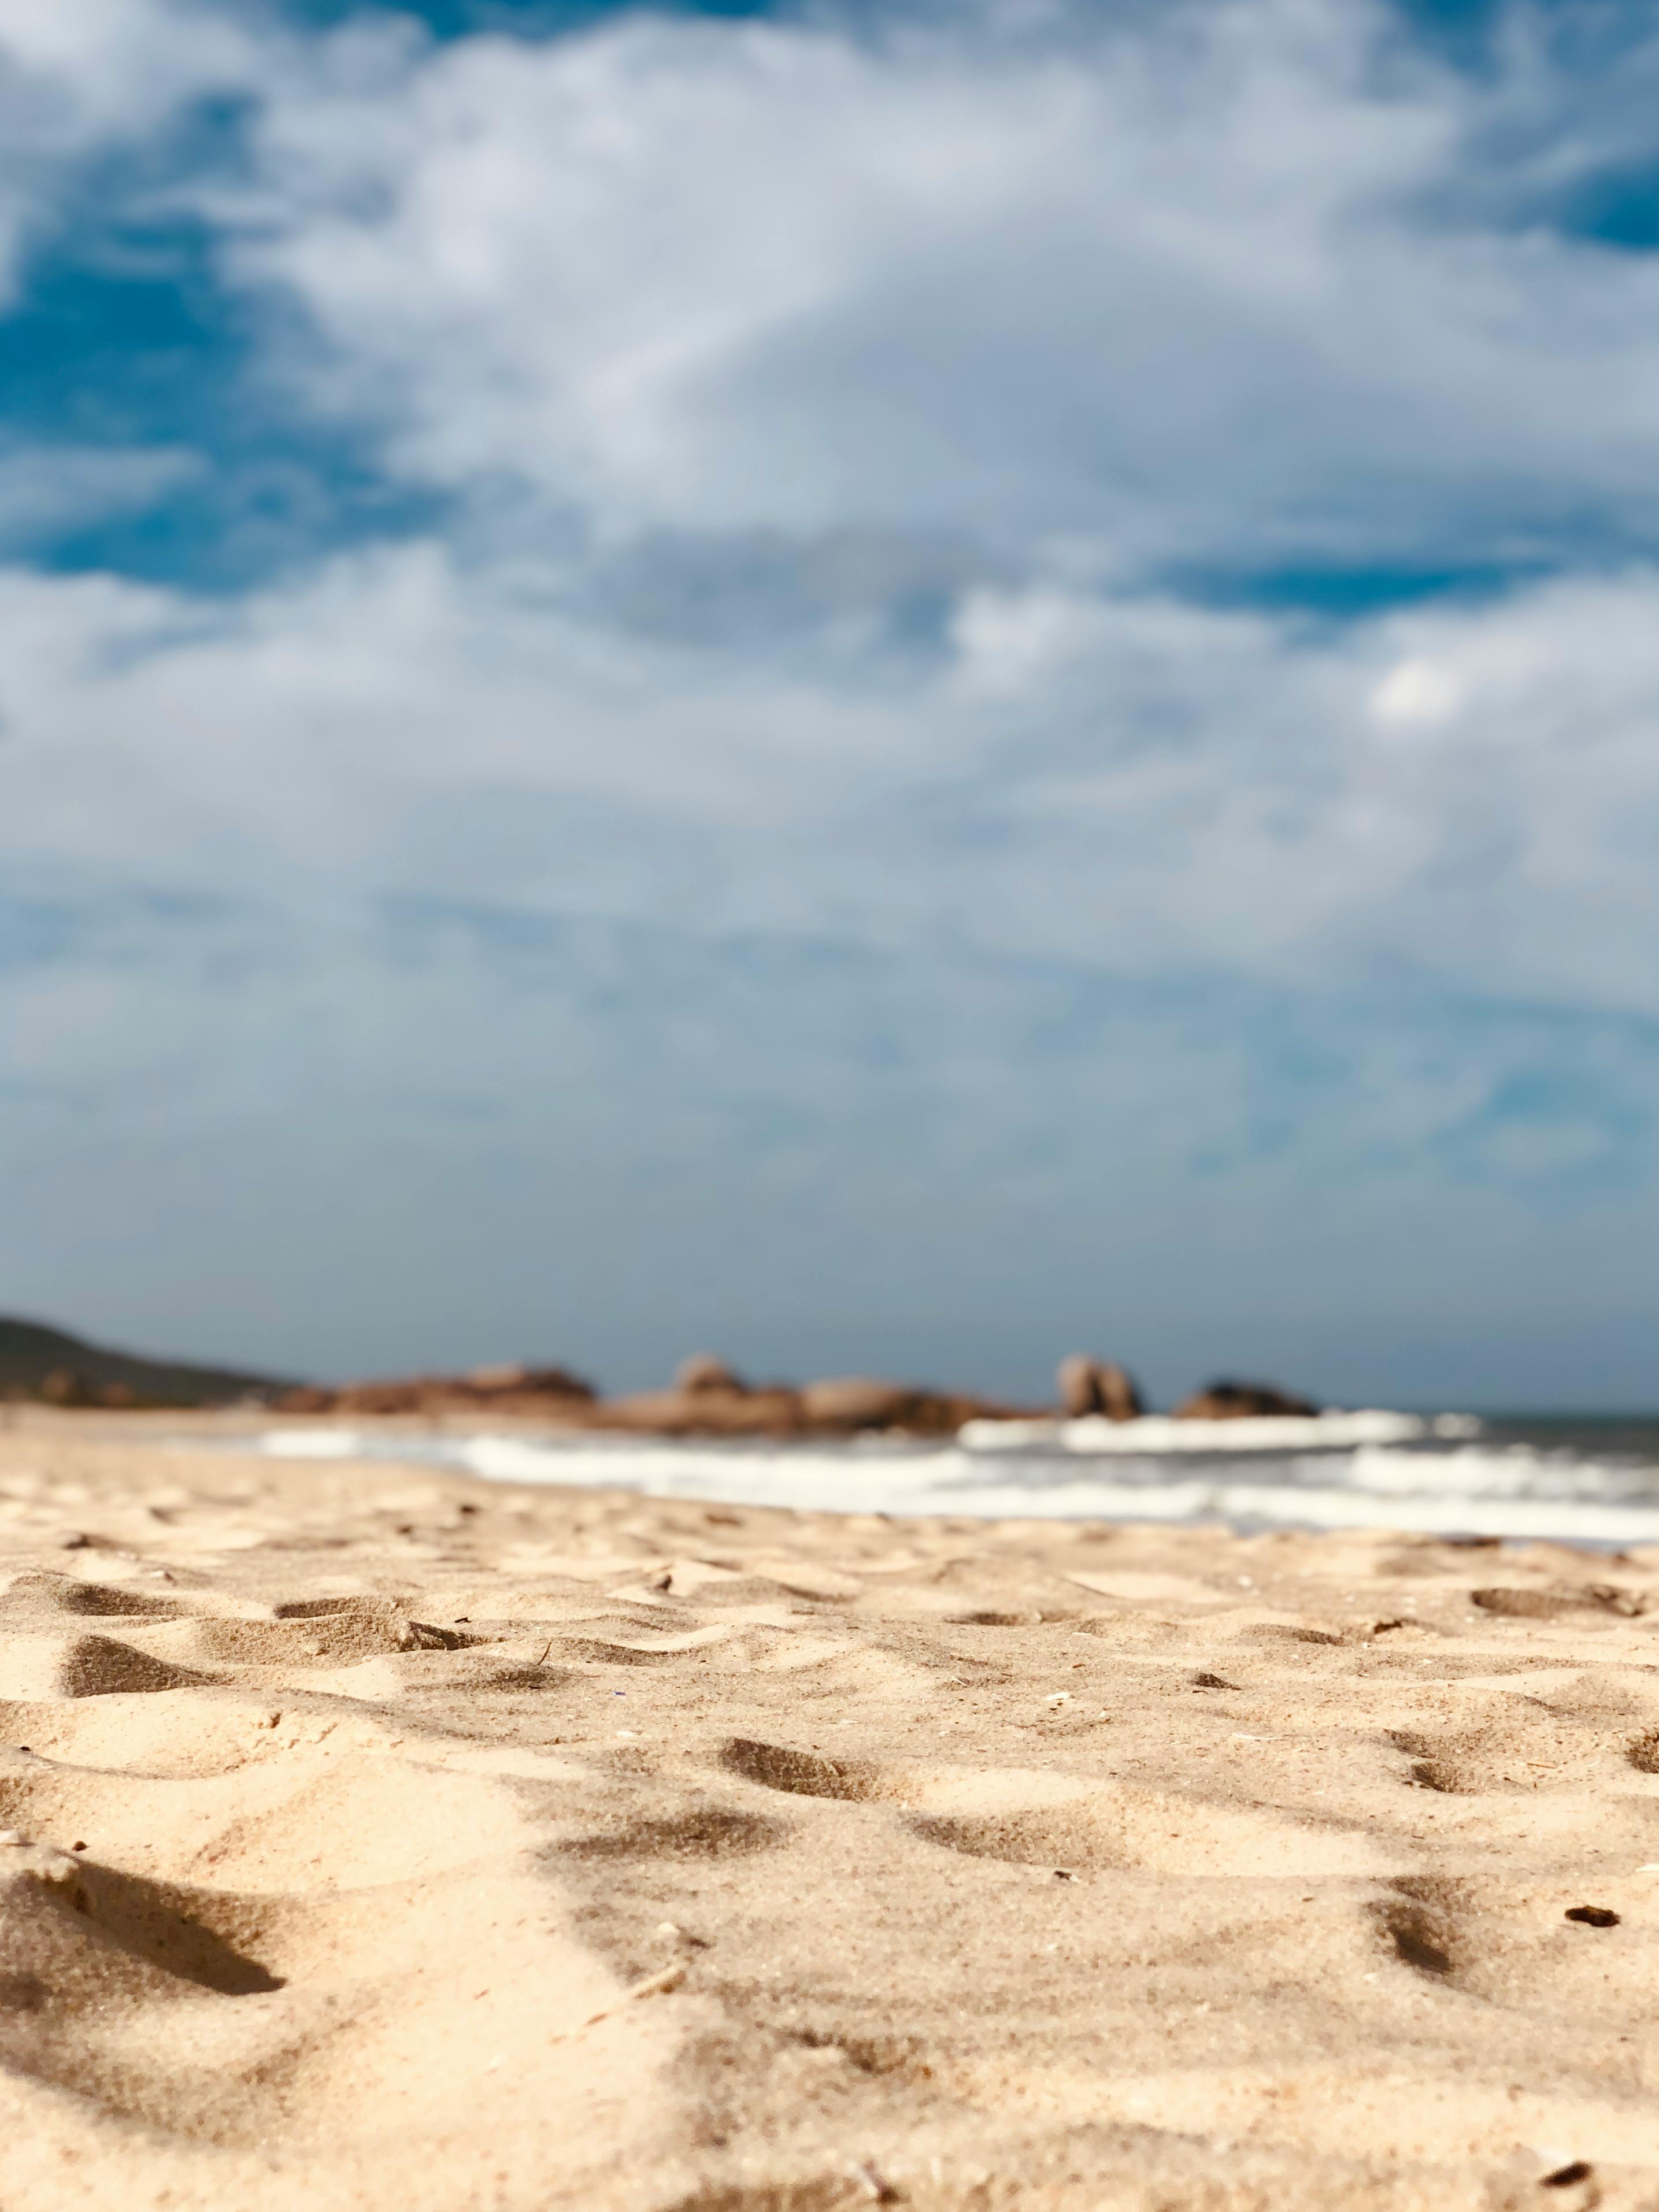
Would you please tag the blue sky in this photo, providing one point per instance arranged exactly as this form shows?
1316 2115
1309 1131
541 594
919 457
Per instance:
895 687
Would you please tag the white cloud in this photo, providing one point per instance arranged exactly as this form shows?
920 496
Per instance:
81 77
1416 693
1148 789
1220 284
806 711
54 487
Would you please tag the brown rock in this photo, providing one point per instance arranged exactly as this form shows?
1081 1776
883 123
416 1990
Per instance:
1090 1386
851 1402
707 1400
546 1391
1236 1402
514 1378
702 1414
1075 1381
846 1405
702 1372
63 1386
404 1397
307 1399
504 1375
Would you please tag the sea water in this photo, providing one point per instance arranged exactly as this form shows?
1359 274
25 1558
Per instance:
1588 1480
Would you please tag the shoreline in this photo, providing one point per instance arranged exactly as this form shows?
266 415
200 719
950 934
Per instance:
1362 1471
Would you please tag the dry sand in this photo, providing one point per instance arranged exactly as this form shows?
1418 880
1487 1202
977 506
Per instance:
400 1841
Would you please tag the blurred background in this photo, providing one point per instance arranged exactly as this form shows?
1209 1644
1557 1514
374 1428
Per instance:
888 686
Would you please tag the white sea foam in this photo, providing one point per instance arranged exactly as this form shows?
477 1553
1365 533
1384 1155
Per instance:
313 1444
1160 1433
1435 1484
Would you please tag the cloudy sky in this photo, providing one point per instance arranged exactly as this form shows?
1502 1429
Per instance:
887 685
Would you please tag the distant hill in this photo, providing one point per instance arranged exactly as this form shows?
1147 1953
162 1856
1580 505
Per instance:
41 1363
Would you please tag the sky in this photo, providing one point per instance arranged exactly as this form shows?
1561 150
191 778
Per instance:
886 685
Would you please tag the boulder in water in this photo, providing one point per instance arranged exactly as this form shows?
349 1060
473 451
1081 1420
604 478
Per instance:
846 1405
1092 1386
851 1402
513 1378
552 1392
704 1373
1227 1401
708 1413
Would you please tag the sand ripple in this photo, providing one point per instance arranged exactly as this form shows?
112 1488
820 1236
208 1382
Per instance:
370 1839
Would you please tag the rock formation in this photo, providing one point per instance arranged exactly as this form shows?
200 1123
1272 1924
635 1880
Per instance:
705 1402
547 1393
848 1404
709 1412
702 1372
1092 1386
1228 1400
706 1399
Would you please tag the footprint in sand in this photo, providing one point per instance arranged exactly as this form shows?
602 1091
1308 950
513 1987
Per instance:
1521 1946
1554 1603
703 1832
1120 1826
253 1827
38 1595
84 1948
209 2011
360 1603
807 1774
50 1898
1521 1744
37 1667
1027 1818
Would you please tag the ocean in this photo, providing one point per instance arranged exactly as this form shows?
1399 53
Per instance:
1583 1479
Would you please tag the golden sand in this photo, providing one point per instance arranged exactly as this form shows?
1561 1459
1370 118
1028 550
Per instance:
383 1839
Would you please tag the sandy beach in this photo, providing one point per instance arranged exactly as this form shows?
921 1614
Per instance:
380 1838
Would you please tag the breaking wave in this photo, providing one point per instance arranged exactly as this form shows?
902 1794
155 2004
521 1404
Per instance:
1590 1482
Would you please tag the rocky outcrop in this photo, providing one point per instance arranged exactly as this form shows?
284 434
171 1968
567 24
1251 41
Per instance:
547 1393
851 1402
1228 1400
1092 1386
705 1413
513 1379
707 1398
702 1374
848 1404
703 1404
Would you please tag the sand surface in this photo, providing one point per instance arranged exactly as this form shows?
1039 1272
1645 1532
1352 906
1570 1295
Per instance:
384 1840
